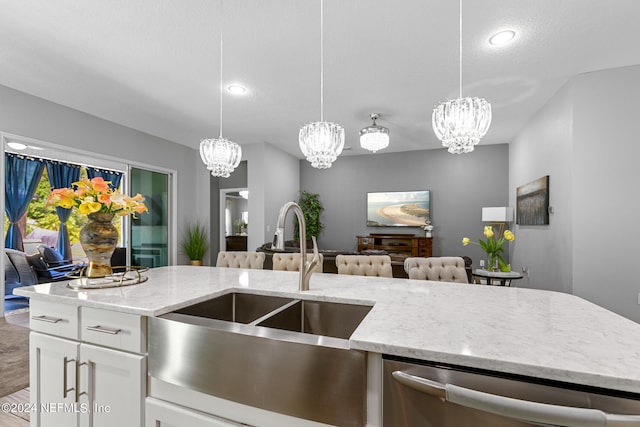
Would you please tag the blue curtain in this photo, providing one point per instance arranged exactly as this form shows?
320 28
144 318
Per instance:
21 179
62 175
112 176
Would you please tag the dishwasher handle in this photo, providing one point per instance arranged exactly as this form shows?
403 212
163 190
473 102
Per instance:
523 410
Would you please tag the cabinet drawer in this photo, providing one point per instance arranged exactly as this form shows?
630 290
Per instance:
54 318
163 414
112 329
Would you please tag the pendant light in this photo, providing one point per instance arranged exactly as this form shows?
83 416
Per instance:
461 123
220 155
374 137
321 142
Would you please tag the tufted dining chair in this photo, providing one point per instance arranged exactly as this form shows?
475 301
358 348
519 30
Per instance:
440 269
364 265
230 259
290 261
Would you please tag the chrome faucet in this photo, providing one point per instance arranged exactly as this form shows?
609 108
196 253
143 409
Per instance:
278 243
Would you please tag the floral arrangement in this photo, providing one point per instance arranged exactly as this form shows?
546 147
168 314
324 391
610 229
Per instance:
427 227
492 247
95 196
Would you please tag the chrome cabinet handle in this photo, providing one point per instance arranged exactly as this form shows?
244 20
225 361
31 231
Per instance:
523 410
103 329
47 319
66 390
78 393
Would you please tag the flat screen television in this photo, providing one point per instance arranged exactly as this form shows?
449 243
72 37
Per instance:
398 208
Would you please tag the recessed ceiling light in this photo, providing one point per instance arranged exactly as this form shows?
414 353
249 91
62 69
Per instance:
236 89
502 37
17 145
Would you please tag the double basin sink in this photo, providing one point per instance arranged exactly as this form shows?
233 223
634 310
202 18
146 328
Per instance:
282 354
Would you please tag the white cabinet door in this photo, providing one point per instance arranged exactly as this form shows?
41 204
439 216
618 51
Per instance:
52 366
164 414
115 387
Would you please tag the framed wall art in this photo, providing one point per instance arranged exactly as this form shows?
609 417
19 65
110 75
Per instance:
532 202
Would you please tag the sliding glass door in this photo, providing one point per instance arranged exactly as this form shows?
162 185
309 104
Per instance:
150 231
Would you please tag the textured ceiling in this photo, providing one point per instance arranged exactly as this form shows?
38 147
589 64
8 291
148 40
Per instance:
153 65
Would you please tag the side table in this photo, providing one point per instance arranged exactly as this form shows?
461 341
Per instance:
497 278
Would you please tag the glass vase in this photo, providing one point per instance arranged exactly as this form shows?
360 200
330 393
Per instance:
492 263
99 238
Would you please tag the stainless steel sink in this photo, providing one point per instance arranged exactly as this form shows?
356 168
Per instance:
276 353
318 318
236 307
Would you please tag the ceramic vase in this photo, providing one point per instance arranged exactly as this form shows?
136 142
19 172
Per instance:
99 238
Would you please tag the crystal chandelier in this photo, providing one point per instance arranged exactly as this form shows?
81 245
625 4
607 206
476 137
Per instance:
374 137
461 123
321 142
220 155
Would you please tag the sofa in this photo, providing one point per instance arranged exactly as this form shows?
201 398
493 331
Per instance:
17 271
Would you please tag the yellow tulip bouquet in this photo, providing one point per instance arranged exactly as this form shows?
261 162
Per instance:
492 247
95 196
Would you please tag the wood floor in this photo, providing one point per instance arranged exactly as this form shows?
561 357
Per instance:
12 407
18 318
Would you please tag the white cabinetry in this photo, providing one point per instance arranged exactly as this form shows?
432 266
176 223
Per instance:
115 387
52 380
168 403
163 414
77 383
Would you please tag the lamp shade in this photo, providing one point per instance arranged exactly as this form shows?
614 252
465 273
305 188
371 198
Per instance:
497 214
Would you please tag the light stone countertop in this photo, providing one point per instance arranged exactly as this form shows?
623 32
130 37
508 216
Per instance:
515 330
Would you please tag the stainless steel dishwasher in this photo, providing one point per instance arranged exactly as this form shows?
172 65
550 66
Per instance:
433 395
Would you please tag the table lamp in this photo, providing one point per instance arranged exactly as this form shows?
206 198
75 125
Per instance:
498 215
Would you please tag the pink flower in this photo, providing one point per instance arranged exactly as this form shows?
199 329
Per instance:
99 184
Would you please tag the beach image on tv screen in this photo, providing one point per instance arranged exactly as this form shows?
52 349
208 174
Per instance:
398 208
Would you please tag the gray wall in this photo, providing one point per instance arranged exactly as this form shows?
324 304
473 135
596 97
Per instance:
545 147
282 185
606 148
586 139
272 177
33 117
460 186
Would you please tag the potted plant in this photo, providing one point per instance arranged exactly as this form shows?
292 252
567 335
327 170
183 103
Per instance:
311 207
195 243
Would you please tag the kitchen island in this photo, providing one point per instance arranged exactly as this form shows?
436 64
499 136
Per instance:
526 332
